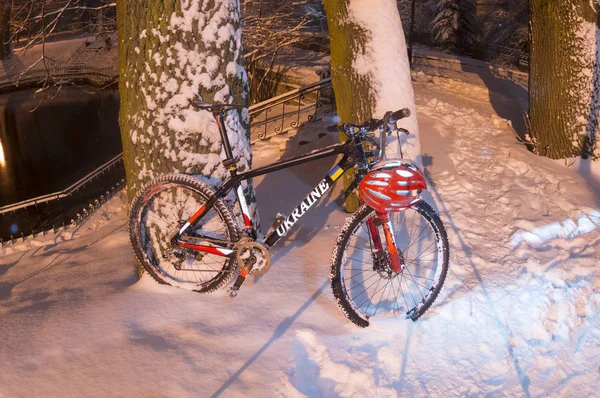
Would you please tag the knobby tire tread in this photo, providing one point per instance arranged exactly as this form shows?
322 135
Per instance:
221 207
425 210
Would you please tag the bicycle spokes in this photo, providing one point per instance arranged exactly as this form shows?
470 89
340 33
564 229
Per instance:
390 264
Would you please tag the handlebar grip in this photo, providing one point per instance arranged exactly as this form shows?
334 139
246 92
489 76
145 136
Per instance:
400 114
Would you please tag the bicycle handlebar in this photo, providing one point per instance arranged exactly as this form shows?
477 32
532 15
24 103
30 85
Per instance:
372 124
399 114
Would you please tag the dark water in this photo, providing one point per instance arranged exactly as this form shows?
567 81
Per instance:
52 139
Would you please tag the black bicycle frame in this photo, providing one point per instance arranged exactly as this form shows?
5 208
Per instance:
353 154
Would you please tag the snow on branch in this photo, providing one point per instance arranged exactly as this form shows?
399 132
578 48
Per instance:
34 18
453 27
72 8
270 26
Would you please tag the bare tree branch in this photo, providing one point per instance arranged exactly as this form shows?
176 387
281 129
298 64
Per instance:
62 11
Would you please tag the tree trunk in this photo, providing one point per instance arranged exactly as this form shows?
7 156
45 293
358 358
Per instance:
171 52
370 69
564 79
5 11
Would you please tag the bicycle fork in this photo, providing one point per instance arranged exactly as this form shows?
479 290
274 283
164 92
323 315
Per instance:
396 258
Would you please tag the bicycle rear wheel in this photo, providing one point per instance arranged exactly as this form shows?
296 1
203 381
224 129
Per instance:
361 278
158 211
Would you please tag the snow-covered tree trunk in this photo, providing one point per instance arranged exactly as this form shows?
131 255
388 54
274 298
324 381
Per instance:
5 11
171 52
370 68
453 26
564 78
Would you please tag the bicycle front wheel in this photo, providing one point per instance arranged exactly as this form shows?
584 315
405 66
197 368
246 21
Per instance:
159 210
361 277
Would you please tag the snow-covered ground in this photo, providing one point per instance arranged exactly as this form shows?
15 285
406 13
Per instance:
69 51
518 315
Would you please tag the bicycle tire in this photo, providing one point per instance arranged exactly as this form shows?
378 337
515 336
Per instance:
170 200
344 279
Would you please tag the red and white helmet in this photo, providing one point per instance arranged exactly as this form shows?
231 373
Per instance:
392 185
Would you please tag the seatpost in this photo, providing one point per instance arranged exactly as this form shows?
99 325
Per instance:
229 161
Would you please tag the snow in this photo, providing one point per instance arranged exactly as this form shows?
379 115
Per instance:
386 62
194 74
101 217
191 75
516 316
568 229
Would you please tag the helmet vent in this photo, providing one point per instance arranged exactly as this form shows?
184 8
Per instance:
382 175
392 186
379 194
404 173
378 183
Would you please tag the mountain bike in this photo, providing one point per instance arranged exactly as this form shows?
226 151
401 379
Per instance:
390 258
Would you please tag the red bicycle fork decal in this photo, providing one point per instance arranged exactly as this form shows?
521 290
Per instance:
388 231
374 236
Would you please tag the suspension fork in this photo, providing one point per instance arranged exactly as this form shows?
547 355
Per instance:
377 248
396 262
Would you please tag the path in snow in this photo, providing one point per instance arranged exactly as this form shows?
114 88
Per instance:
516 317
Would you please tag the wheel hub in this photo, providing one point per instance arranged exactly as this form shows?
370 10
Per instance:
382 264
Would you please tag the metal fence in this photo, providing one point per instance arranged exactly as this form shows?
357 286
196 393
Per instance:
292 109
73 74
49 213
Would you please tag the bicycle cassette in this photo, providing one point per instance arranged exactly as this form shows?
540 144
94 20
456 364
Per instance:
249 253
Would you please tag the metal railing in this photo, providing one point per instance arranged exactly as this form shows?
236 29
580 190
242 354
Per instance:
68 207
36 77
48 213
292 109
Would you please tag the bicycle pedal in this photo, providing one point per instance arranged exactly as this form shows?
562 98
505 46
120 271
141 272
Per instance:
239 281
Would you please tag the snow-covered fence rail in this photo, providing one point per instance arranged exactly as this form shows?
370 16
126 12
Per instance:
60 209
292 109
488 52
71 74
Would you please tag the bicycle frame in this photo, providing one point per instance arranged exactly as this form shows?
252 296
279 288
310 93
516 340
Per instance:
353 154
385 187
